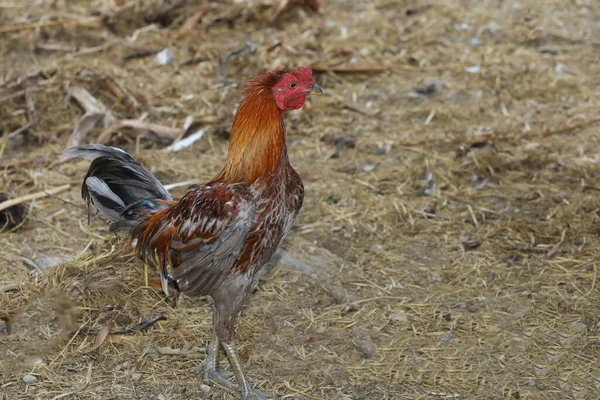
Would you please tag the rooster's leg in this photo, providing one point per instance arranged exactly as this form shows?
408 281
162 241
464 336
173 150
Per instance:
247 391
228 302
210 365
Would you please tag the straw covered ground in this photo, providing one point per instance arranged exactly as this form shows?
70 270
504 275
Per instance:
448 246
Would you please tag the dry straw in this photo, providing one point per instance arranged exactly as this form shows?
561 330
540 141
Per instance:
448 247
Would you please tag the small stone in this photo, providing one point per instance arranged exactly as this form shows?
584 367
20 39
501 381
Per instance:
471 245
366 347
552 358
540 371
29 379
151 352
33 360
566 342
46 262
429 88
16 140
368 168
136 376
344 141
161 397
378 151
578 326
164 57
400 317
340 294
204 388
473 70
493 27
445 339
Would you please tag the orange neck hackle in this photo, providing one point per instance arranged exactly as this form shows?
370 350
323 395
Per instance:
257 141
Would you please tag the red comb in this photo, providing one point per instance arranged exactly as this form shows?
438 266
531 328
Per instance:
305 73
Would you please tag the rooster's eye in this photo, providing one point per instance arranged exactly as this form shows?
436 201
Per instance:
292 85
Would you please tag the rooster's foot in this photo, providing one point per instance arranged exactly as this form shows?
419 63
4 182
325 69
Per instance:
211 374
253 394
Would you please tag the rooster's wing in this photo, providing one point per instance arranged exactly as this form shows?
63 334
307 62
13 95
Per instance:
202 235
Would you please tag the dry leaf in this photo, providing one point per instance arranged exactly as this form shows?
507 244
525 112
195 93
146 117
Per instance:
155 283
280 7
101 336
184 332
120 92
115 338
159 133
94 112
189 23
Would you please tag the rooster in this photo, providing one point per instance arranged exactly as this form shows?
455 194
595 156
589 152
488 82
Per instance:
218 236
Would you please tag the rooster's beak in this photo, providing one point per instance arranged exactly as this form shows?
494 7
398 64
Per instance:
314 89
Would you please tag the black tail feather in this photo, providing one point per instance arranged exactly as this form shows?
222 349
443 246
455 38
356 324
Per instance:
118 186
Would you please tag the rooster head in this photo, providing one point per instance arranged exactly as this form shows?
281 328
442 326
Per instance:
291 89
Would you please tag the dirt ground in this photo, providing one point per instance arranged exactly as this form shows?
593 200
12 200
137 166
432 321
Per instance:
448 246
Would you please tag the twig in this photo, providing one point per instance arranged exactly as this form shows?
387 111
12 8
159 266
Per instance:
163 134
119 90
34 196
352 107
358 110
55 47
30 115
94 112
66 201
18 94
88 379
193 61
142 326
139 54
244 50
161 14
280 7
40 24
506 135
92 50
180 144
20 130
12 166
30 106
10 287
179 184
32 264
191 353
189 23
557 245
352 69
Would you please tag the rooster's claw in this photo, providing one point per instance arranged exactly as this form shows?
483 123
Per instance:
254 394
219 377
